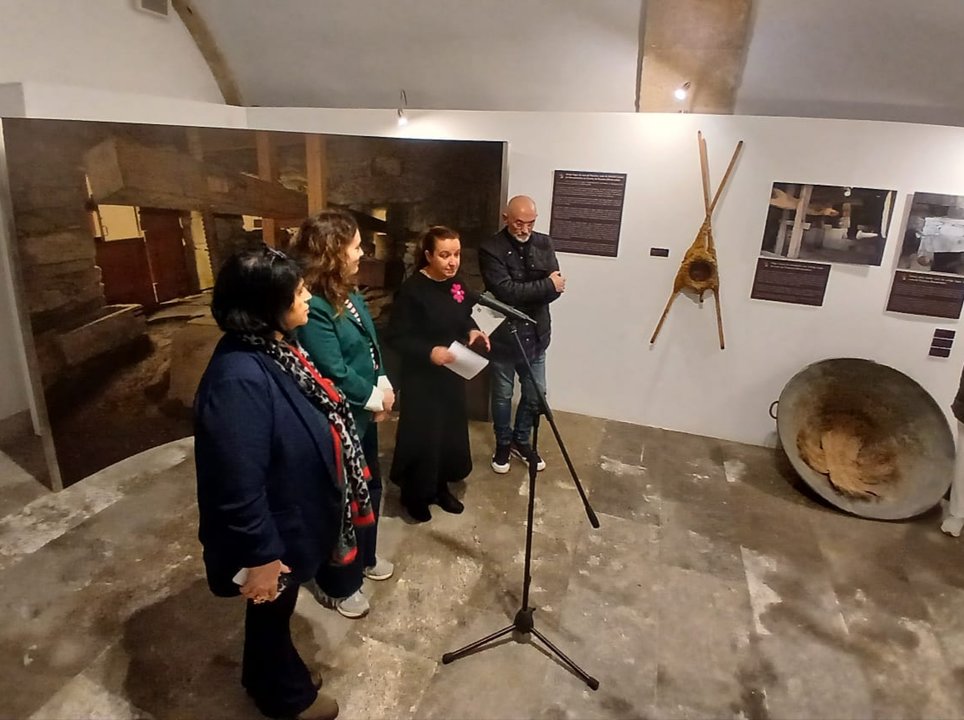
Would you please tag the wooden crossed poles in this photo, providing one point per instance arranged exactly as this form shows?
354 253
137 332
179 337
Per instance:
699 270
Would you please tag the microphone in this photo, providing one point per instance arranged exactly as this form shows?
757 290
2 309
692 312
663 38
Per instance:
488 300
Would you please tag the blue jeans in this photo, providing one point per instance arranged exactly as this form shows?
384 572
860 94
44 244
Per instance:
503 382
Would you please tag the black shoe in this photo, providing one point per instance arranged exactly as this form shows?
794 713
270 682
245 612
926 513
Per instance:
524 452
418 511
448 502
500 460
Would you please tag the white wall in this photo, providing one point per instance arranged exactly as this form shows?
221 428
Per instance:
102 44
14 394
862 59
495 55
600 361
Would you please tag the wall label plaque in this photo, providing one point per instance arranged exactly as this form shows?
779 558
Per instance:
587 212
915 293
790 281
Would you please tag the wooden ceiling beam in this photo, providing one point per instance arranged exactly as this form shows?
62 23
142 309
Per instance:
209 49
123 172
700 42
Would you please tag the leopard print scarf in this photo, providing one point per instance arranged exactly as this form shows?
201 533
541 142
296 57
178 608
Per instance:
351 468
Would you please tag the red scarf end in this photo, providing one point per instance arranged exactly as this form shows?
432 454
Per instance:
364 520
348 558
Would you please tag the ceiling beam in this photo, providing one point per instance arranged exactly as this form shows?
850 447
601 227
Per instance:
700 42
205 42
123 172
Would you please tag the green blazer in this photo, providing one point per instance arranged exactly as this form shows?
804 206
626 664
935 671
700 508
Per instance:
340 348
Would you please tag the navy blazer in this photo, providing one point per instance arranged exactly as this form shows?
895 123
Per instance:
265 469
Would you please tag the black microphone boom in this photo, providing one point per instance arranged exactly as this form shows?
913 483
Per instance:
489 301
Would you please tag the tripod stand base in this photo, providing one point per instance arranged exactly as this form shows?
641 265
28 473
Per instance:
524 624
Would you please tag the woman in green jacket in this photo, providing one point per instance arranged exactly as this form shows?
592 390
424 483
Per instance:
341 341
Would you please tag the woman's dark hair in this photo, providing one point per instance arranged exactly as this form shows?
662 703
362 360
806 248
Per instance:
320 248
430 239
254 290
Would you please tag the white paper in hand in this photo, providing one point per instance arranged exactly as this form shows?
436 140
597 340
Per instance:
486 318
468 364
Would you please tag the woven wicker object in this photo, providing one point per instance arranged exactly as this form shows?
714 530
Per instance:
699 271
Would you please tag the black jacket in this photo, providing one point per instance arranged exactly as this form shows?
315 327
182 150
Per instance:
518 275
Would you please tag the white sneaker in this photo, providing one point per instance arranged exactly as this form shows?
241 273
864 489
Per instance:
500 459
952 525
353 606
381 570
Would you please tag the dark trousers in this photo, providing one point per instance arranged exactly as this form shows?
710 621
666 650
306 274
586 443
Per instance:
340 582
273 673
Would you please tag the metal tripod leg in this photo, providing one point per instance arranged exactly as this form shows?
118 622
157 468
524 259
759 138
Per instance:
468 649
587 678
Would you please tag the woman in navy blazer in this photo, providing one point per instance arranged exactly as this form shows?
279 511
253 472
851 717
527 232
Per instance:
268 473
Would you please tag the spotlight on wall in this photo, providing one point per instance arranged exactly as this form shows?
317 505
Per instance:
400 112
682 91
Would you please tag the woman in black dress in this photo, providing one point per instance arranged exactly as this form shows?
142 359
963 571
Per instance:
431 312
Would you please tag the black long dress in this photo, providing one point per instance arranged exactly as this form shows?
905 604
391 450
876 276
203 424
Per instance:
432 445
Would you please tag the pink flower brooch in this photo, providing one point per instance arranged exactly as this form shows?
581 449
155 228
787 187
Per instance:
457 292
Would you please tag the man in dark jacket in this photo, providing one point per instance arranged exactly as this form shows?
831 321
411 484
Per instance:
519 267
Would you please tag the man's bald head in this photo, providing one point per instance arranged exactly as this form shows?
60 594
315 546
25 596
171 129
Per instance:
520 217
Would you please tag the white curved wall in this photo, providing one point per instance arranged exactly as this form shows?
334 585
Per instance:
861 59
104 44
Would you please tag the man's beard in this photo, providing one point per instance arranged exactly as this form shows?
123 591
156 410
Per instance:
522 237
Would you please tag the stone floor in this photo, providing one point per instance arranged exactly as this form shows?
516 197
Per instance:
714 588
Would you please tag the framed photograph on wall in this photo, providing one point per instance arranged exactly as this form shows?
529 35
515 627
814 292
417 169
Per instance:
827 223
934 236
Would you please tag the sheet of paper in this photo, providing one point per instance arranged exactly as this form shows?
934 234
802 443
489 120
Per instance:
486 318
468 364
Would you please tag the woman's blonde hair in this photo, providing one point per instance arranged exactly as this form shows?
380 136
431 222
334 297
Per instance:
320 246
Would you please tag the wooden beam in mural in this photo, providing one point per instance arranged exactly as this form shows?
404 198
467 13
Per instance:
316 165
123 172
267 170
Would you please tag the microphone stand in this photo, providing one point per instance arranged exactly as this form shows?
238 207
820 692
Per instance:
524 622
